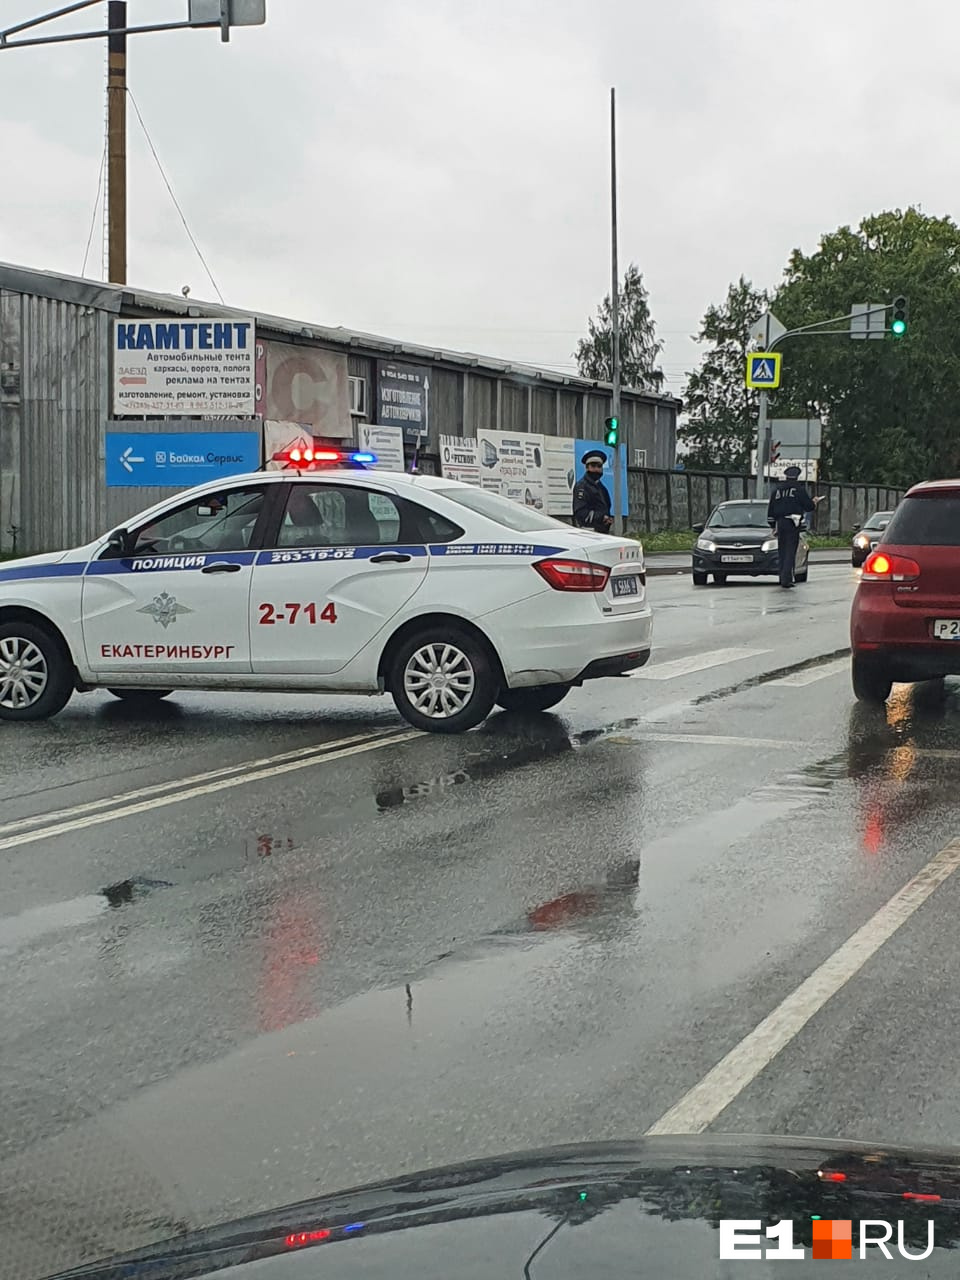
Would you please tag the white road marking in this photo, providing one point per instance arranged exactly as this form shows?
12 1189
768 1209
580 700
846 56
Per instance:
703 1103
713 740
157 788
798 679
126 810
696 662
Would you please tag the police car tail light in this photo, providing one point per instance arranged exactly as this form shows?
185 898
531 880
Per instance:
881 567
573 575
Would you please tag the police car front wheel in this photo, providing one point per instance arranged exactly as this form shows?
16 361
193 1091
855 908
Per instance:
443 681
36 674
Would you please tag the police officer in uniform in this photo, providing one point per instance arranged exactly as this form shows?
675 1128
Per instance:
591 499
789 503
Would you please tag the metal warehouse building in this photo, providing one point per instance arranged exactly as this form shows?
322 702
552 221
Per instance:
59 399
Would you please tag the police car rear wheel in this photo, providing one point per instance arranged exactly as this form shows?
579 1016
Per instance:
539 697
443 681
36 674
140 695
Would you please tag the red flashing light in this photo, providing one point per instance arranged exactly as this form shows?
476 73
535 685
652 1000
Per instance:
300 1238
573 575
881 567
832 1176
918 1195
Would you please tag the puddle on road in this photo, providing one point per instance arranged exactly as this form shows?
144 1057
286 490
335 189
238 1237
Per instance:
525 739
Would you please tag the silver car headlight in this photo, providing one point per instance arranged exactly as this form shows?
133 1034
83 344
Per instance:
704 544
771 544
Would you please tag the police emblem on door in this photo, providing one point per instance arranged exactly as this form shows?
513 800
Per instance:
164 609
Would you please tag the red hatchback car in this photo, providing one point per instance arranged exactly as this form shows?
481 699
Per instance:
905 622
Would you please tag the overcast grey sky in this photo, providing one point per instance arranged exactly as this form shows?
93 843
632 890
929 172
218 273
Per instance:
436 170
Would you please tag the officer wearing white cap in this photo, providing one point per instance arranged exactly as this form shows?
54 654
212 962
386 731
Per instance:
591 498
789 503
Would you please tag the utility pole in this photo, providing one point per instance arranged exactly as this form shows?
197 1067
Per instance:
219 14
615 318
117 140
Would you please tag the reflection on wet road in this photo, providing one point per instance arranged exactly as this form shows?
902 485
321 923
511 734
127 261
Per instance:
252 950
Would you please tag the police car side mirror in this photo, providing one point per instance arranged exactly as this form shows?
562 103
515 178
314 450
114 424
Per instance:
698 527
117 544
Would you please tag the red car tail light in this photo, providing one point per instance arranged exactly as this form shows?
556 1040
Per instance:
881 567
573 575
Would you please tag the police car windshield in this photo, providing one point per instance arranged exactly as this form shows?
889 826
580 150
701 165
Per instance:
504 511
745 515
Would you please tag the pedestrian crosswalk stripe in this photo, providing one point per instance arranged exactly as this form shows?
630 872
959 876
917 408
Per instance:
797 679
696 662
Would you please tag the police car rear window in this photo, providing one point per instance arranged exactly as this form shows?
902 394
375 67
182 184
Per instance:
510 514
932 521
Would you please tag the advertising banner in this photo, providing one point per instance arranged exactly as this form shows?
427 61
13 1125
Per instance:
184 367
511 464
460 459
403 392
386 443
178 460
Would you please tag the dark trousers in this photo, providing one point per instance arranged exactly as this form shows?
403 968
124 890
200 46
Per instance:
788 537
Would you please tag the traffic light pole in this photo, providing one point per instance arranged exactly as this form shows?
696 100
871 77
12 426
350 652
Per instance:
618 477
817 329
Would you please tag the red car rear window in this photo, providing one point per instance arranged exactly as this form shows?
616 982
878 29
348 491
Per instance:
926 522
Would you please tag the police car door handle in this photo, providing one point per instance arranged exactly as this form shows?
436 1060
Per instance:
390 557
221 566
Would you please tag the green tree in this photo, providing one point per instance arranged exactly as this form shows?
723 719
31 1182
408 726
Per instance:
892 407
639 346
722 413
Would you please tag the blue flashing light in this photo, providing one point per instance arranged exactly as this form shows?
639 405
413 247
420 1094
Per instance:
354 1226
363 457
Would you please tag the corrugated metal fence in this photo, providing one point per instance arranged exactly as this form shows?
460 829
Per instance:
678 499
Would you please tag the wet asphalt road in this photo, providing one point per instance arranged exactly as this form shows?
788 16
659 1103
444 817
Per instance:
252 949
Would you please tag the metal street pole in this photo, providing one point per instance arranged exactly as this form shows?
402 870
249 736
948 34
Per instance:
615 317
762 431
117 141
762 428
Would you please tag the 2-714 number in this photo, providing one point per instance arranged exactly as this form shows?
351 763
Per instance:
270 615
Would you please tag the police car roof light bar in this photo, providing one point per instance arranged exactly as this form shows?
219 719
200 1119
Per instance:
309 458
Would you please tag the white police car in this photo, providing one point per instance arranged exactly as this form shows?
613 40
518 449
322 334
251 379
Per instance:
328 579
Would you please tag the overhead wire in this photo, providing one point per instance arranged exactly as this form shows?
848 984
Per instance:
176 202
96 208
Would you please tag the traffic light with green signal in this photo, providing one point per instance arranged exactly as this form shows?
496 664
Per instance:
613 431
899 317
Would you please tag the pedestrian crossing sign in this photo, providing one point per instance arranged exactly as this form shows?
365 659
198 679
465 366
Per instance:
763 370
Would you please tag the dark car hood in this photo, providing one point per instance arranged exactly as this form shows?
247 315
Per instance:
749 536
651 1207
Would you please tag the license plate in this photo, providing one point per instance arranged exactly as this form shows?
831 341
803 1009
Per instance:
625 585
946 629
736 559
